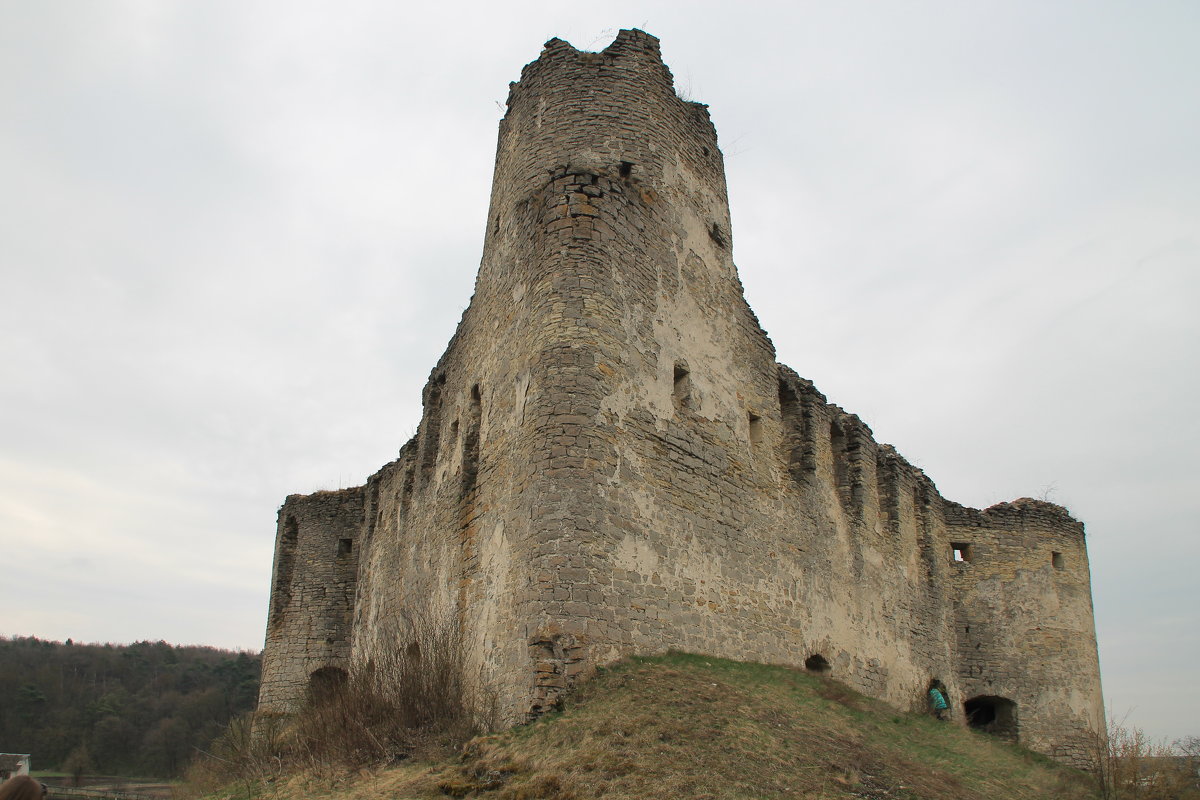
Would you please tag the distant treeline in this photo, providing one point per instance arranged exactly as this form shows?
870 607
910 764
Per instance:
139 709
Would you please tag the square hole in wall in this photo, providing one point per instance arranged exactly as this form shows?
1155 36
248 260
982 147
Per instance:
960 552
756 432
1056 559
345 546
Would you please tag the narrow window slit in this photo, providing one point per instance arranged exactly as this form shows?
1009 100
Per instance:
756 433
470 442
717 235
681 390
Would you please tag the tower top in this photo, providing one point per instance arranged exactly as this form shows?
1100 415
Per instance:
593 111
629 43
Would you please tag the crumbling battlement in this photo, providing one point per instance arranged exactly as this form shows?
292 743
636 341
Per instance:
610 461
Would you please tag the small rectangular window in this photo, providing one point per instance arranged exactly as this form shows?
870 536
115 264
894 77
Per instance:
961 552
681 391
1056 559
344 546
755 428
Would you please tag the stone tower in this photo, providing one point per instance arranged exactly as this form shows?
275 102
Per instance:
610 461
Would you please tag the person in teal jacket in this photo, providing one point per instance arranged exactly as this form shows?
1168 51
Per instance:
937 700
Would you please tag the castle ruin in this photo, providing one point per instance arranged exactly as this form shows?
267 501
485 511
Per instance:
610 461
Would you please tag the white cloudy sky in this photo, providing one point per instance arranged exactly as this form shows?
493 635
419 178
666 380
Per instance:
235 237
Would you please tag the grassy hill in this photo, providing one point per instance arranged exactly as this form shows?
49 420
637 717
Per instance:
684 726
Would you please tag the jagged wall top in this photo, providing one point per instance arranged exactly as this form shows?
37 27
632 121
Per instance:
594 112
630 43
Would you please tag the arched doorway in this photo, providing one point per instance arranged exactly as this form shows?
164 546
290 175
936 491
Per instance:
818 664
325 683
994 715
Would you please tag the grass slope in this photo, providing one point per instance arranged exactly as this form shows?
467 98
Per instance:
683 726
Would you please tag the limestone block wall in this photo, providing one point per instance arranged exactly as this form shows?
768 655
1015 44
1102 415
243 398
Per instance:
578 204
312 593
764 526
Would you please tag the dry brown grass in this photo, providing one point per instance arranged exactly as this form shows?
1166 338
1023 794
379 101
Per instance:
692 727
412 704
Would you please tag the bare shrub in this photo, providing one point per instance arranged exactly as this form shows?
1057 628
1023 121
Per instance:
247 751
1129 765
412 700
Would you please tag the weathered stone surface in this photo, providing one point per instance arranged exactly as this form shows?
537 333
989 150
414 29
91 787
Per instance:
610 461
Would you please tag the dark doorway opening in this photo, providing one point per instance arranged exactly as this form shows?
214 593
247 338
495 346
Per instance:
817 663
325 684
994 715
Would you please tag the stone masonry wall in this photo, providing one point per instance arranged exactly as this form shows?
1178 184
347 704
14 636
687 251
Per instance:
611 462
572 187
312 593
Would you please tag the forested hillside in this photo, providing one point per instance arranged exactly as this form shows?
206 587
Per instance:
139 709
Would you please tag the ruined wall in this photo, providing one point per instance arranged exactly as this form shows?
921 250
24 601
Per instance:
312 593
610 461
1024 625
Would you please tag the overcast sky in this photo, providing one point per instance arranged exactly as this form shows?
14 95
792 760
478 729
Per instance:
236 236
